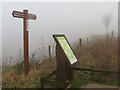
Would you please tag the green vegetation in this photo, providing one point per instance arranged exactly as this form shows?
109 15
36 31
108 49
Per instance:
18 68
80 79
36 83
5 69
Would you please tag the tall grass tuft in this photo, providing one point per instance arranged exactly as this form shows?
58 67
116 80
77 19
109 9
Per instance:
99 52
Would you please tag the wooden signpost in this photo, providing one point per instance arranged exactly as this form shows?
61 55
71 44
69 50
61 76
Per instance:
26 16
65 59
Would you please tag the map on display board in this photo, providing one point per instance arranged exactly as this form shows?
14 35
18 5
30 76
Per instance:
67 49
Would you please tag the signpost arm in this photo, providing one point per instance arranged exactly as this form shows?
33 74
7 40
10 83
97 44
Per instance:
26 48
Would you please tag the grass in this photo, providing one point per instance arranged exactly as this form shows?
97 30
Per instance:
104 80
18 68
36 83
99 53
80 79
13 79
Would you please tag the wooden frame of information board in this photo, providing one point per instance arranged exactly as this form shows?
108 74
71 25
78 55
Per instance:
64 67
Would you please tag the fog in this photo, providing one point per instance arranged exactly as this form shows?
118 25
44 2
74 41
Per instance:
0 34
75 20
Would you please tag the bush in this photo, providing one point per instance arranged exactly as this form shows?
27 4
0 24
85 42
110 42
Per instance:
18 68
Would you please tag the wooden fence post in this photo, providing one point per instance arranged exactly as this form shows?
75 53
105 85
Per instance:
87 40
112 34
49 52
80 42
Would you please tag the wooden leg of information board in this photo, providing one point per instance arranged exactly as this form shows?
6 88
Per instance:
60 73
64 72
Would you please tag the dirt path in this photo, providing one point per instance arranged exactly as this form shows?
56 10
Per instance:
94 85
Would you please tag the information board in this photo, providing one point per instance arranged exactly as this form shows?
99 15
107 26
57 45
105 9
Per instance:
68 51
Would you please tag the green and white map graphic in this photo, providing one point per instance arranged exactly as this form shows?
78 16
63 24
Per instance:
67 49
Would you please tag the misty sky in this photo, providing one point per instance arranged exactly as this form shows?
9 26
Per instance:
75 20
0 33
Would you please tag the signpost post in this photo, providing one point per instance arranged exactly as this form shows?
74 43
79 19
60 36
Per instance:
26 16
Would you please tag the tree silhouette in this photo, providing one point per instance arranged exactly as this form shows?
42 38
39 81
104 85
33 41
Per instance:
106 20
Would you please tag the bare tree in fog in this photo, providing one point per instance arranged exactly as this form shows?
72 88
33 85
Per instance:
106 20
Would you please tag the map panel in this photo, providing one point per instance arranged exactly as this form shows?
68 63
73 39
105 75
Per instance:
63 42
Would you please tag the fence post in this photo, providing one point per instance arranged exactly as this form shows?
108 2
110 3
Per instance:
49 52
87 40
80 42
112 34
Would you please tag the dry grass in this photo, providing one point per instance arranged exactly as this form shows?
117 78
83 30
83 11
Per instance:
10 76
97 53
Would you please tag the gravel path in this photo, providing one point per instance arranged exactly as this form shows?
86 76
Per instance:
94 85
